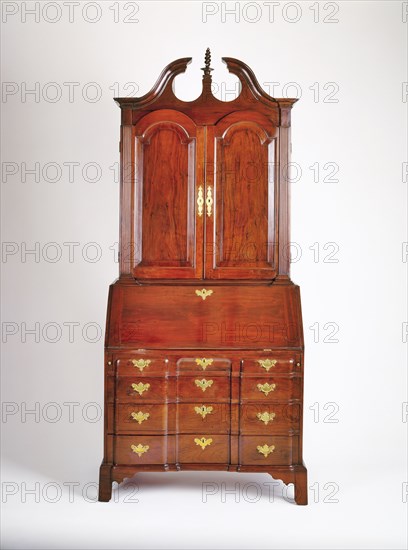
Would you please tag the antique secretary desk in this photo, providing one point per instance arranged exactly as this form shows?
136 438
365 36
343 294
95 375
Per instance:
204 338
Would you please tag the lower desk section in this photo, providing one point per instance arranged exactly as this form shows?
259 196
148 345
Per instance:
202 448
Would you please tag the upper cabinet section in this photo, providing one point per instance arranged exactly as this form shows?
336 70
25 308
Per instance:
202 192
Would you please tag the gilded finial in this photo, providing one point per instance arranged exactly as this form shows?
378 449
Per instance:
207 60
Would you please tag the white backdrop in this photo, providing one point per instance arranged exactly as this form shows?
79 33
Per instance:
62 63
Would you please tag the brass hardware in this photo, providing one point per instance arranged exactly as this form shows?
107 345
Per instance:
140 449
266 388
266 417
141 363
203 293
298 364
204 384
109 363
140 416
200 201
265 449
267 349
140 387
203 410
204 362
203 442
267 363
209 201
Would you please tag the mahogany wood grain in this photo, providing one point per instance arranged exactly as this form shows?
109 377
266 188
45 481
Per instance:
203 365
141 364
285 449
269 389
152 389
241 235
156 453
233 316
285 418
217 420
188 450
212 388
275 363
155 423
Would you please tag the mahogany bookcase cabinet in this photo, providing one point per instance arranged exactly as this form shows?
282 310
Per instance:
204 338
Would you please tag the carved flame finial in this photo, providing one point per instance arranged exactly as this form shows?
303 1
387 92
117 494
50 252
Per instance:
207 60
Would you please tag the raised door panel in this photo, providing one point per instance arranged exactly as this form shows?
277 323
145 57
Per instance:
240 178
168 240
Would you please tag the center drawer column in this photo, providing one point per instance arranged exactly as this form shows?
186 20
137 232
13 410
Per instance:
203 416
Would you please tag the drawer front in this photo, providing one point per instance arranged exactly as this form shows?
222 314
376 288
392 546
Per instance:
203 448
208 417
143 364
146 449
138 390
203 365
141 418
268 389
198 388
264 450
271 363
258 418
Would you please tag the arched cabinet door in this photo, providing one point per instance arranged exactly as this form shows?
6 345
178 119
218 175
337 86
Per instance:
241 179
168 239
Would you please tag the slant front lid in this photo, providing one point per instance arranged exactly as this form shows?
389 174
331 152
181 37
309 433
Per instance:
218 317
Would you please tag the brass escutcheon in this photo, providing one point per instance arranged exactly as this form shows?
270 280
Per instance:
266 388
140 449
265 449
203 293
200 201
204 384
140 363
203 442
266 417
204 362
140 416
140 387
267 363
209 201
203 410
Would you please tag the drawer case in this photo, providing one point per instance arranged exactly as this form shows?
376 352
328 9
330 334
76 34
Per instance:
231 409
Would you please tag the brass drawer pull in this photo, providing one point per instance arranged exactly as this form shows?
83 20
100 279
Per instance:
140 387
266 417
200 201
209 201
140 449
204 384
203 410
266 388
267 363
140 363
140 416
203 442
204 362
265 449
203 293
